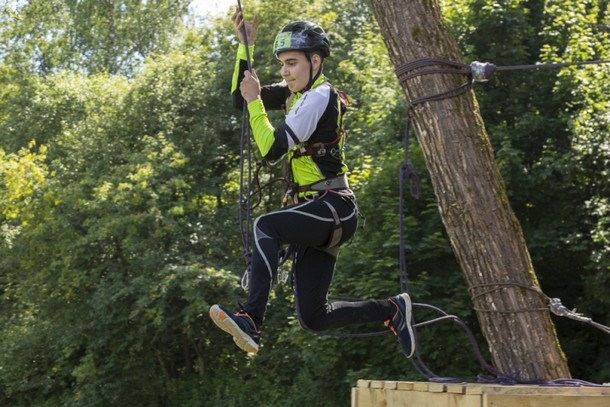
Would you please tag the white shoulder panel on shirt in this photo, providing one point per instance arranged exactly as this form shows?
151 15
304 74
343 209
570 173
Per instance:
304 116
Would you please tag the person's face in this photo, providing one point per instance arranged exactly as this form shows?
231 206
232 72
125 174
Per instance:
295 68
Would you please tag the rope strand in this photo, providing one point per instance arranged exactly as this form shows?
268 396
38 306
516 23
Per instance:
245 175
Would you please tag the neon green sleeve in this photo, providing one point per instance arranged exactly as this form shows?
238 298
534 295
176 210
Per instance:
262 130
241 57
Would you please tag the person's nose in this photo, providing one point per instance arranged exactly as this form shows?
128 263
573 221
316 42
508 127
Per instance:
284 71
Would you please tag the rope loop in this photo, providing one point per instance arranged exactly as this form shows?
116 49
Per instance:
475 72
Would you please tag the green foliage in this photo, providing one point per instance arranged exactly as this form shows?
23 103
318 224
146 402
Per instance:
119 200
21 175
89 35
116 236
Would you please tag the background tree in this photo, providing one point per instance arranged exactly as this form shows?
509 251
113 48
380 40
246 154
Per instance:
485 235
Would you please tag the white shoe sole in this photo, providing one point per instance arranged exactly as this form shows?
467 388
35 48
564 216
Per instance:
226 323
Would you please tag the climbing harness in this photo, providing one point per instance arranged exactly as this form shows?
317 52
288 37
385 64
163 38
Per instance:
334 147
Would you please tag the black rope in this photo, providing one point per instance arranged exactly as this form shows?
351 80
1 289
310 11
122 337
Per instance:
407 174
245 188
502 285
473 342
475 72
489 69
245 35
553 304
245 175
256 189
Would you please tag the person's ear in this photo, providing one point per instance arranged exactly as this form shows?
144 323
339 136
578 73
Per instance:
316 60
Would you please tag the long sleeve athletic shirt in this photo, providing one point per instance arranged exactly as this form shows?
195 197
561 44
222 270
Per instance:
313 120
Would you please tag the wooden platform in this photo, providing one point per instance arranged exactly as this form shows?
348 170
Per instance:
371 393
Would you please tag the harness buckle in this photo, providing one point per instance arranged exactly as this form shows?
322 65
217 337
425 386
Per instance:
319 151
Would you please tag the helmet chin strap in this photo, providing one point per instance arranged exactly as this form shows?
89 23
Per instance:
312 79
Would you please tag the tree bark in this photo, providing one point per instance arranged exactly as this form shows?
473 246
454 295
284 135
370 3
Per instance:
485 235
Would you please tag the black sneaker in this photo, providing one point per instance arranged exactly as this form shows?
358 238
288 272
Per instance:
239 325
400 324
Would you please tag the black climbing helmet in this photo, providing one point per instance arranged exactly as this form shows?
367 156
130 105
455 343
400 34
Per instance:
302 36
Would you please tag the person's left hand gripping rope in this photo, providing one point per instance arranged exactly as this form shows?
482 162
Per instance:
250 86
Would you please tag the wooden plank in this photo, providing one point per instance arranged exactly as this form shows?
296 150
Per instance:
378 398
444 399
354 397
425 399
463 400
420 386
377 393
405 386
436 387
553 390
377 384
400 398
390 385
456 388
473 389
546 400
363 397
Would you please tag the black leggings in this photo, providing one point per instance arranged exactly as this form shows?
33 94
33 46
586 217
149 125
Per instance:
308 226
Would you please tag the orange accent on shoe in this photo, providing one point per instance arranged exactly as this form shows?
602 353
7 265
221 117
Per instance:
388 324
245 314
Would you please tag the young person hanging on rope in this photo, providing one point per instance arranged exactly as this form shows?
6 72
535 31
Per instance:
322 213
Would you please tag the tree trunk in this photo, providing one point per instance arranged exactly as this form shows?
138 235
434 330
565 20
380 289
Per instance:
485 235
